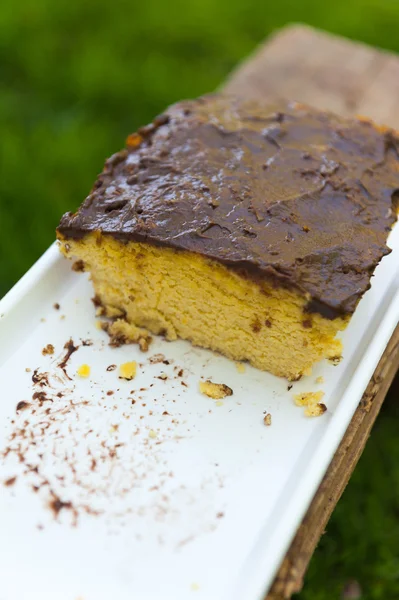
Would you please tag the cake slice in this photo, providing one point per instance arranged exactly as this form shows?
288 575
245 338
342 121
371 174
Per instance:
246 228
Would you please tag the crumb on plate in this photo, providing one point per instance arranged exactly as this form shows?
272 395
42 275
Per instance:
128 370
215 390
83 371
267 419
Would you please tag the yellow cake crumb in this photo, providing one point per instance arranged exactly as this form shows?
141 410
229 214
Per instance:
152 434
83 371
319 379
195 587
315 410
308 398
267 419
219 403
215 390
128 370
240 367
99 325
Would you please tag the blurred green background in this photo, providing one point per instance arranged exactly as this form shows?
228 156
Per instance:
76 78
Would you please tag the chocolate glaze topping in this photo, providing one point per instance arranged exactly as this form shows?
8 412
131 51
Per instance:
288 193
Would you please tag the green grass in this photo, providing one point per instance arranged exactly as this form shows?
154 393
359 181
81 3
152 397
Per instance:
76 77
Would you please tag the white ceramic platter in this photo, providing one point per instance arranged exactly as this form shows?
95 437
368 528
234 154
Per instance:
115 499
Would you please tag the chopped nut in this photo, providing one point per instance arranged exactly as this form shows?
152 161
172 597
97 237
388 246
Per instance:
315 410
83 371
308 398
240 367
319 379
267 419
49 349
215 390
128 370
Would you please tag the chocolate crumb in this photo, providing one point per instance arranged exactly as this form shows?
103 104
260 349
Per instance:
56 306
110 393
40 378
111 368
10 482
70 349
289 387
22 405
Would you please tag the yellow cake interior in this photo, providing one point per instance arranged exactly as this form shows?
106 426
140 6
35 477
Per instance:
179 294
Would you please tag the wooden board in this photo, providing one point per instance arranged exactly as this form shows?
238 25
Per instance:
300 63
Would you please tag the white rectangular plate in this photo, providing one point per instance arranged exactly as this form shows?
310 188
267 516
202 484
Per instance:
201 502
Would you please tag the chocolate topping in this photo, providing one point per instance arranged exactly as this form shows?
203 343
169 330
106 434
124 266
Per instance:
287 193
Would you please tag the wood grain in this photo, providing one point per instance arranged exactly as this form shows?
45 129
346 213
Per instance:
302 64
325 71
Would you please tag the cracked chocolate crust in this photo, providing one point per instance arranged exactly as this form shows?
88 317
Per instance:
287 193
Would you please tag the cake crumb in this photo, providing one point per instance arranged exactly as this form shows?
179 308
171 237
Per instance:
219 403
156 358
144 343
308 398
267 419
319 379
215 390
152 434
240 367
99 325
195 587
128 370
315 410
83 371
28 369
49 349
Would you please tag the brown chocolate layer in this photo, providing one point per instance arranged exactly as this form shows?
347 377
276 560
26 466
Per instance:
287 192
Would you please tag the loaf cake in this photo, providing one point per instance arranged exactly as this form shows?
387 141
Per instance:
247 228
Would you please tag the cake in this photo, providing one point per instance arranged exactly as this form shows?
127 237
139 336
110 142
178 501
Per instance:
247 228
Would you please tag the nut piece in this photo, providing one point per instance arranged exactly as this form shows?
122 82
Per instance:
308 398
315 410
267 419
128 370
215 390
83 371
